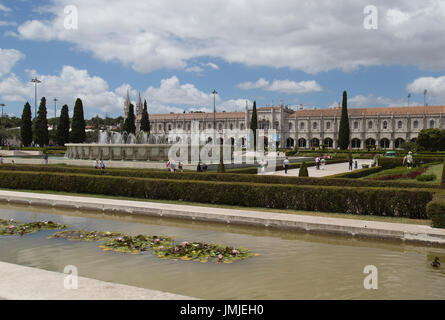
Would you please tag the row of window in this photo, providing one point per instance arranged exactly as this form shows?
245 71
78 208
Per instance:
220 126
355 143
370 125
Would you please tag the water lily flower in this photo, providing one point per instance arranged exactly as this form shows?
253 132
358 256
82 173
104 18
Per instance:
119 239
157 240
185 243
176 249
161 248
11 227
11 220
220 256
234 251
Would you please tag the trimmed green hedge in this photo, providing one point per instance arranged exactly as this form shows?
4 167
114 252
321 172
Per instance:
389 163
355 174
220 177
442 184
436 211
279 167
352 200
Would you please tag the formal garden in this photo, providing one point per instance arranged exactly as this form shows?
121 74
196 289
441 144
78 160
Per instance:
388 189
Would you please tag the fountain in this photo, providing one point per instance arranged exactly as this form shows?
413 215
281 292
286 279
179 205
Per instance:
121 146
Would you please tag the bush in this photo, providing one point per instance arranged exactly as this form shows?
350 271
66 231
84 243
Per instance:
442 184
254 170
211 176
426 177
303 170
389 163
351 200
436 211
355 174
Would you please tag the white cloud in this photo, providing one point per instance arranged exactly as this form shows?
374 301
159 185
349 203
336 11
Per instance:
284 86
5 9
373 101
8 58
212 65
7 23
435 88
98 98
303 35
70 84
196 69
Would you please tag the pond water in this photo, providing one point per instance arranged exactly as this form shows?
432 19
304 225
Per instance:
291 265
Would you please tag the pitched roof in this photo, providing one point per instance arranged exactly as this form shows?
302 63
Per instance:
382 111
197 116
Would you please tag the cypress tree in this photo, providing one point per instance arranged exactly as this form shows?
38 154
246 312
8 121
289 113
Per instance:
41 125
344 132
63 130
129 125
78 134
254 124
26 126
145 120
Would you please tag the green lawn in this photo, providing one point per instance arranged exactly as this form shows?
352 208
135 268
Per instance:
308 213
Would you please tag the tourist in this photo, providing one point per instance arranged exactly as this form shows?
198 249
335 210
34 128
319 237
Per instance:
173 165
323 162
409 160
350 163
356 164
204 167
96 164
286 165
1 160
102 164
45 157
198 168
317 163
180 167
405 164
169 166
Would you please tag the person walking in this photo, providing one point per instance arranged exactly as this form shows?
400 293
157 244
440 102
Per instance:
323 162
409 160
198 167
180 167
317 163
45 157
204 167
350 163
286 165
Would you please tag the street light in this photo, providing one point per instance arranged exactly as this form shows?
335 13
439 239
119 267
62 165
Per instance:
214 115
424 97
55 117
35 81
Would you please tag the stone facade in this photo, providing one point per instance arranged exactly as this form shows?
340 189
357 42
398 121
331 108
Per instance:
385 127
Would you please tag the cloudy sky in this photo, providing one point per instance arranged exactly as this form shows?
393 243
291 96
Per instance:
176 52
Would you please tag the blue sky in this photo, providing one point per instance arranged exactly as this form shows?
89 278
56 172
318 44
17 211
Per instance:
252 50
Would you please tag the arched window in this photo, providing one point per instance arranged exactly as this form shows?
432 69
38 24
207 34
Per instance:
399 125
220 126
210 126
160 127
315 125
329 143
431 124
301 125
416 124
301 143
188 126
231 126
169 127
276 125
355 143
290 126
355 124
370 125
242 126
385 125
328 125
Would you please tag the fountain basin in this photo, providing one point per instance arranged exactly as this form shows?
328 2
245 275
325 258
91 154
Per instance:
139 152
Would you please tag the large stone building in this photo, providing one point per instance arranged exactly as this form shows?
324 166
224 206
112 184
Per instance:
384 127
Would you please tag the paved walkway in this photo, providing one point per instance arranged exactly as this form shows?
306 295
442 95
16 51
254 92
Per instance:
25 283
330 169
372 229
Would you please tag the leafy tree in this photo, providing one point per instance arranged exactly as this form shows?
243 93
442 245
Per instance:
145 120
41 125
254 123
26 126
344 132
129 123
430 139
63 130
303 170
78 134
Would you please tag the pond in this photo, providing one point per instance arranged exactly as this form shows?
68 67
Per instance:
290 265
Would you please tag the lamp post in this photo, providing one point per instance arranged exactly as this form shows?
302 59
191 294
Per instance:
424 97
55 116
35 81
214 115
